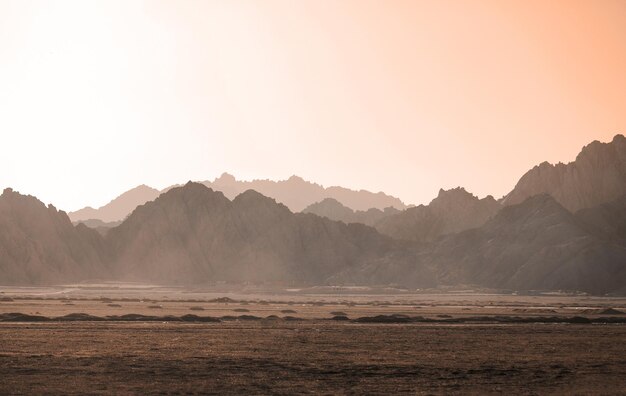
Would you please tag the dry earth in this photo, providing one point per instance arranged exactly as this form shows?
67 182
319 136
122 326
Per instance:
313 355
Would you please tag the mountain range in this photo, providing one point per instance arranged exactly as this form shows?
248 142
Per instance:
295 192
193 234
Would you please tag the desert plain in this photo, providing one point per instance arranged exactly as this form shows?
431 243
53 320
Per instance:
127 338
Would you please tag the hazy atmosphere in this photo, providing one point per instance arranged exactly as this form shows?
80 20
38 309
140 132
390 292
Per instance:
251 197
404 97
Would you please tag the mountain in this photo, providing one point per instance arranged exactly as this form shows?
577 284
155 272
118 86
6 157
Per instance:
598 175
334 210
193 234
297 193
39 244
118 208
607 221
98 225
451 211
537 244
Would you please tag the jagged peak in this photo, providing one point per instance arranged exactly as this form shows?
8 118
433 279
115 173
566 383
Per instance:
295 178
453 191
10 193
597 148
226 178
453 194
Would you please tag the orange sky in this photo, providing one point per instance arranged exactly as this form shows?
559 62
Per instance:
400 96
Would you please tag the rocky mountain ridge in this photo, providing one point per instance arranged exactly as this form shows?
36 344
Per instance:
597 176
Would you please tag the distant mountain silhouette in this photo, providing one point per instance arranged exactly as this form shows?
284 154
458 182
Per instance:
195 234
295 193
598 175
118 208
98 225
39 244
452 211
334 210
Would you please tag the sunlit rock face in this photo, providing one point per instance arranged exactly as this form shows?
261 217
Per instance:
598 175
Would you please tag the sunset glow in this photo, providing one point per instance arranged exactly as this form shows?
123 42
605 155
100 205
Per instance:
404 97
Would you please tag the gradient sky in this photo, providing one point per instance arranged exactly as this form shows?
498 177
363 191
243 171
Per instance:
404 97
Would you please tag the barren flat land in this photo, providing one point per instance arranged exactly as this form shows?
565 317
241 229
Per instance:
136 339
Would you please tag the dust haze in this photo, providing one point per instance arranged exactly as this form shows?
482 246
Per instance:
301 197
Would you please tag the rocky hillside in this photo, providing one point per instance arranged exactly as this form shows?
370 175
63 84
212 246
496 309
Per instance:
598 175
194 234
537 244
334 210
607 221
452 211
39 244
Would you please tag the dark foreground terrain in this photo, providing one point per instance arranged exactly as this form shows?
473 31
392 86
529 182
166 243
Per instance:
146 339
280 357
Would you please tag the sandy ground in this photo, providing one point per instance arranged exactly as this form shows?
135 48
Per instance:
313 355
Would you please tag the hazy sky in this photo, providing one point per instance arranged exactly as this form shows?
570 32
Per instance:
406 97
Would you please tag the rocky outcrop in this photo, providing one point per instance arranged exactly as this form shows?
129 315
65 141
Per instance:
598 175
452 211
193 234
334 210
119 208
39 244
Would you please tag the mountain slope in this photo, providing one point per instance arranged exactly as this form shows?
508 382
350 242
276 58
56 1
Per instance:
537 244
39 245
334 210
598 175
193 234
607 221
119 207
452 211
